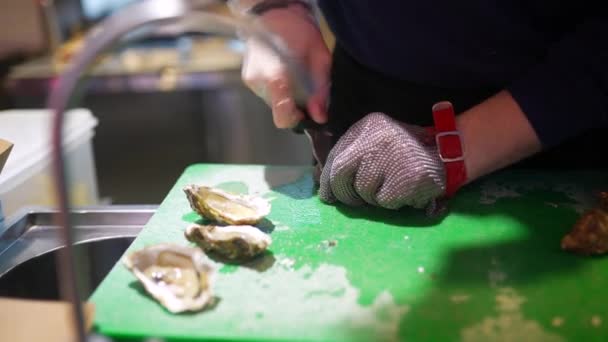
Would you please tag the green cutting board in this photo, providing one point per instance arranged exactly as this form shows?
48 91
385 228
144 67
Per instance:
490 270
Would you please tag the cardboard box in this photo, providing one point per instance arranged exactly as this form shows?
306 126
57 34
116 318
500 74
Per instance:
23 320
5 149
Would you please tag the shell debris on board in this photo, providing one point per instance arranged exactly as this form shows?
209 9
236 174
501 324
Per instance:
589 236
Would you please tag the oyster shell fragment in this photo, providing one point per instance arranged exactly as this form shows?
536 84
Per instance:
224 207
589 236
178 277
231 242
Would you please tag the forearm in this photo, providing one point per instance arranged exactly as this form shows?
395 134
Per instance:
496 133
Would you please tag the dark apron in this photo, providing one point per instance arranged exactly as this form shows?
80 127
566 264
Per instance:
357 90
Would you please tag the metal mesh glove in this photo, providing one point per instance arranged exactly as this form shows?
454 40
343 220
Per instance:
385 163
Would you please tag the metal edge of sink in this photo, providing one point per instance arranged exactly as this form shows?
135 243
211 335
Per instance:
32 231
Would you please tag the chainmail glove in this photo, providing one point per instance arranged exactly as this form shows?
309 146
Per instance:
386 163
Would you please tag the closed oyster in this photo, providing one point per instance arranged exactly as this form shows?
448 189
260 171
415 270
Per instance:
231 242
224 207
178 277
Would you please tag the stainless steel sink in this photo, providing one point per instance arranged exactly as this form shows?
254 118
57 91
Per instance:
29 245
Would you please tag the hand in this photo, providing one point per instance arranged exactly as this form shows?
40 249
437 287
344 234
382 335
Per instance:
264 73
386 163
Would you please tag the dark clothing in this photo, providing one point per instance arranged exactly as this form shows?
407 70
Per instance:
5 64
357 90
551 55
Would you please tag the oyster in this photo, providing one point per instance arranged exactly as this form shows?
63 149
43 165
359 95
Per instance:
178 277
224 207
590 233
231 242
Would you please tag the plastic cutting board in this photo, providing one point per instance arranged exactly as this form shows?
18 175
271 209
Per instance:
490 270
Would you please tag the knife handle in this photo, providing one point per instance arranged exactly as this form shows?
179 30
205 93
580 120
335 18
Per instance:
307 123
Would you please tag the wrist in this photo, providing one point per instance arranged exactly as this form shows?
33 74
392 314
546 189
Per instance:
265 6
262 7
240 7
270 12
463 123
295 9
496 134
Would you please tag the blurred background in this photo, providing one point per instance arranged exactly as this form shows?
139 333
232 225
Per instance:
152 108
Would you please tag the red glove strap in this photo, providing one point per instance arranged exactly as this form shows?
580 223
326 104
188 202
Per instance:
451 149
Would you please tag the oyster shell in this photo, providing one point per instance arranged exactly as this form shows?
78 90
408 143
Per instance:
590 233
231 242
225 207
178 277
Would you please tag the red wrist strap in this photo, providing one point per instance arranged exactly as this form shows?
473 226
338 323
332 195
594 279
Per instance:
450 146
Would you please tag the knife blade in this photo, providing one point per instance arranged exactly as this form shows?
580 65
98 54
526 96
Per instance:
319 135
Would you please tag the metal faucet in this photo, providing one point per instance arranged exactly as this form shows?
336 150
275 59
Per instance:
133 22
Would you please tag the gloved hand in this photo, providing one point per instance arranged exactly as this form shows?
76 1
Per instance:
386 163
266 75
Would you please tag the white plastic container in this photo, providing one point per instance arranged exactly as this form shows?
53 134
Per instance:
27 178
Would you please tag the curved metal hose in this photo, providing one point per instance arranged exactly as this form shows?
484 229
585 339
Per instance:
184 16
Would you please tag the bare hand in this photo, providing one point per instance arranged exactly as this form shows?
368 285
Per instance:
264 73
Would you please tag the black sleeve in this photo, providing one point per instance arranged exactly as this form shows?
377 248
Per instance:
567 93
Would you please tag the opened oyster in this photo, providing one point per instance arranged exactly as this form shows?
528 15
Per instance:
224 207
178 277
232 242
590 233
